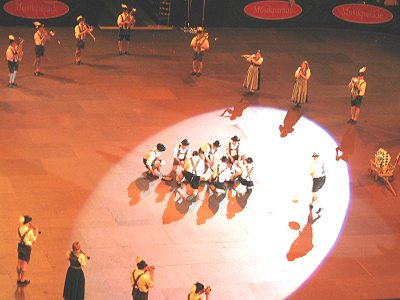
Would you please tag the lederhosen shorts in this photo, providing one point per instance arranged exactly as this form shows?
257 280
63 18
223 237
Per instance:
245 182
12 66
24 252
80 44
193 179
318 183
124 34
356 101
39 50
176 161
198 55
138 295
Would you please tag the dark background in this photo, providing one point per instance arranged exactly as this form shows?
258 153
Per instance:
218 13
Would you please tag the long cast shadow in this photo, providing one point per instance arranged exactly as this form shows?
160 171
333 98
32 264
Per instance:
293 115
303 243
346 147
237 110
209 207
236 204
19 293
175 210
137 187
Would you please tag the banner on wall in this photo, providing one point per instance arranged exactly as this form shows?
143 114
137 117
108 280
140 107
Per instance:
36 9
362 13
272 10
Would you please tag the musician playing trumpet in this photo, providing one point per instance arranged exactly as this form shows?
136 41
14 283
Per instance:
142 279
199 44
27 236
125 22
14 54
40 37
74 286
80 34
196 290
253 76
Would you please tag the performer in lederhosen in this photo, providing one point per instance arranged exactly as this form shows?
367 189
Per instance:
243 174
153 161
74 286
300 89
181 152
27 236
142 280
199 44
125 22
357 86
222 173
197 290
317 172
13 57
39 38
80 34
193 172
232 149
253 76
212 152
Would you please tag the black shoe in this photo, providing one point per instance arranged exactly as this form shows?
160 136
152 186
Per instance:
36 73
193 73
10 85
18 281
354 122
126 53
319 210
40 73
78 63
14 84
25 282
350 121
198 74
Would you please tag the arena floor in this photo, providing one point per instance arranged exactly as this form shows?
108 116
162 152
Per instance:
71 157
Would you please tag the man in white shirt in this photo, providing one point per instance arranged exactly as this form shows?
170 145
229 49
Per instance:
317 171
212 152
181 152
80 34
244 176
222 174
27 236
152 160
357 86
232 149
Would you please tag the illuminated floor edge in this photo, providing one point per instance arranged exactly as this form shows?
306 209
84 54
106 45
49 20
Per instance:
215 233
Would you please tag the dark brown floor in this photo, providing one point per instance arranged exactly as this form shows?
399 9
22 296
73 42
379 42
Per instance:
61 133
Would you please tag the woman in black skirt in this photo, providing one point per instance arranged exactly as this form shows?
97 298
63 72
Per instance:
74 287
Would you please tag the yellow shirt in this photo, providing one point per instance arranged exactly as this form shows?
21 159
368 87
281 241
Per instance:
194 296
144 283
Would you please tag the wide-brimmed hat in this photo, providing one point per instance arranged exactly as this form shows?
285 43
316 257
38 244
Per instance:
362 71
197 287
185 142
80 18
217 144
124 6
24 219
37 24
161 147
11 37
141 264
235 138
249 160
315 154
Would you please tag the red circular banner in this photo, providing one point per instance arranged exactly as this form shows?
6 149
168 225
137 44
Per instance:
272 10
36 9
362 13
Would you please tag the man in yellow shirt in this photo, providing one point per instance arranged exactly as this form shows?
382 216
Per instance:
196 291
199 44
357 85
142 279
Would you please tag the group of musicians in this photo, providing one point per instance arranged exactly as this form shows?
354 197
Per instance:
210 164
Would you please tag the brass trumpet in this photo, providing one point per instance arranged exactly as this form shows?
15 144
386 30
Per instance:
89 30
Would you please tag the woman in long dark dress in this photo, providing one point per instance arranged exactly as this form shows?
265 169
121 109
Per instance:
74 287
300 89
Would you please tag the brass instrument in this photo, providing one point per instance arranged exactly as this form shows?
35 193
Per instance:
87 256
33 226
247 56
89 30
48 35
20 49
132 20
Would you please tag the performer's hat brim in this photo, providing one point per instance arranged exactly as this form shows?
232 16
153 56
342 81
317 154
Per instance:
26 219
11 37
185 142
195 153
124 6
315 154
235 138
224 159
80 18
197 287
217 144
161 147
37 24
361 72
141 264
200 29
